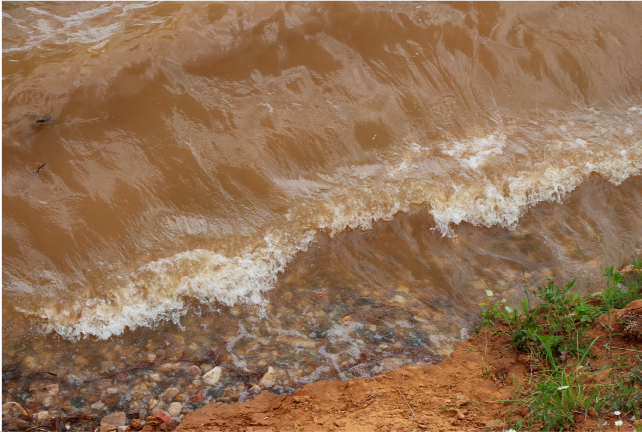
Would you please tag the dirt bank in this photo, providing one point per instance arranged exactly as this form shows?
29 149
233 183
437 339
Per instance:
470 390
485 384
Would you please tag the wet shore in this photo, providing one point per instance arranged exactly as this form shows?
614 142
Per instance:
165 371
155 388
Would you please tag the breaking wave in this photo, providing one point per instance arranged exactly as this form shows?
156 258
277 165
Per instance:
360 197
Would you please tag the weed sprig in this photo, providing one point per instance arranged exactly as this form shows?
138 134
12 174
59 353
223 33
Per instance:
554 333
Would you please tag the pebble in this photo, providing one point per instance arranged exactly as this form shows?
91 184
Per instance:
193 370
31 364
169 367
269 378
45 395
137 424
196 398
106 365
399 299
14 409
169 394
206 367
113 421
162 416
212 377
138 394
185 379
91 397
97 406
174 409
303 343
42 416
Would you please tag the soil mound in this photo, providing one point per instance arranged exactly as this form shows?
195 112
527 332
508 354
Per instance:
473 389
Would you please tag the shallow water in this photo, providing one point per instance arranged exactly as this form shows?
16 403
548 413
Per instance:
327 189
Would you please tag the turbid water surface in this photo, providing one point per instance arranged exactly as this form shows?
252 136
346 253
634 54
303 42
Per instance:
327 189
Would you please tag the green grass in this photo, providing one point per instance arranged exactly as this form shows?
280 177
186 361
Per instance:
551 324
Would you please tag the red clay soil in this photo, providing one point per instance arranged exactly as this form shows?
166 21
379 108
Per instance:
463 393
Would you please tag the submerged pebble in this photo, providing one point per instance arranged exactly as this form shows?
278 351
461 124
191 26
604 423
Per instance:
175 409
213 376
113 422
234 361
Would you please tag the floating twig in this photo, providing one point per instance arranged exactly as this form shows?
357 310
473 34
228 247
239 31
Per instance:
40 167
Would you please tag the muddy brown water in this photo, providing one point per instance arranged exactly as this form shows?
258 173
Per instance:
308 186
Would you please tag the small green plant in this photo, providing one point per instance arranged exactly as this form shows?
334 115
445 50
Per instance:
557 327
619 291
515 425
637 263
623 397
557 395
586 313
545 330
497 310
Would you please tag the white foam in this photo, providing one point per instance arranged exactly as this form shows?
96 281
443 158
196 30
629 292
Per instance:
489 206
476 151
353 197
314 376
160 289
82 27
340 335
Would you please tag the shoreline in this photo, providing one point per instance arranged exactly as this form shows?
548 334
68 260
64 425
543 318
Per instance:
474 364
485 384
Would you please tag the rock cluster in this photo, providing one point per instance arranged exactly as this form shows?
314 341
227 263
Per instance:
175 374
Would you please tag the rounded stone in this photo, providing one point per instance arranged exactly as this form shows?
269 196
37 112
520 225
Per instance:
206 367
193 370
14 409
42 416
97 406
174 409
212 377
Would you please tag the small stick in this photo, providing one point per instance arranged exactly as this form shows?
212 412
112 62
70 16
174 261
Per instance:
38 170
413 413
626 349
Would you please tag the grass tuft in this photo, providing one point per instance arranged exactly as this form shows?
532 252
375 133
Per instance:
554 333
